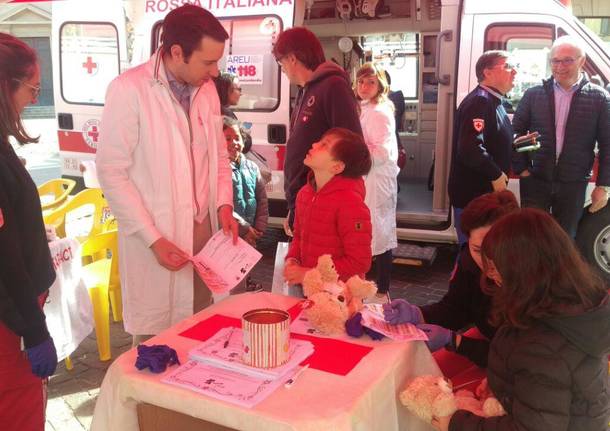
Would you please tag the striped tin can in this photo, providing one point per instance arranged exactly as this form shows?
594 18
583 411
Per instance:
266 337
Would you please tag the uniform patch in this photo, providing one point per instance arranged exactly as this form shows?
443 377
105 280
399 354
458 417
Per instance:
1 218
358 226
311 101
478 124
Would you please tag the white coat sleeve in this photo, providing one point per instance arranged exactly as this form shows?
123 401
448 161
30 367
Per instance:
119 138
381 138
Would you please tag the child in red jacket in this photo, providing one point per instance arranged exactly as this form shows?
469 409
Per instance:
331 217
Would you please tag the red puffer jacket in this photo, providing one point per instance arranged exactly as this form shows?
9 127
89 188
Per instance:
335 221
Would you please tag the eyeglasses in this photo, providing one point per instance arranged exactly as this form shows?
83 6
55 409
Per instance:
279 59
563 61
34 88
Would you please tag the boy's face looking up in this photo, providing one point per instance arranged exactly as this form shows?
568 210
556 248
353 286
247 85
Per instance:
235 144
321 159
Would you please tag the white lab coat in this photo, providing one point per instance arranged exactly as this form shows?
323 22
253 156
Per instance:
377 121
145 169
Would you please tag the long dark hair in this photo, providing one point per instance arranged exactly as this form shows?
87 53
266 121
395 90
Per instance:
224 82
542 272
17 63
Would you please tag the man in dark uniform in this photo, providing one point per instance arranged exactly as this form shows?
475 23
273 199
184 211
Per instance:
482 136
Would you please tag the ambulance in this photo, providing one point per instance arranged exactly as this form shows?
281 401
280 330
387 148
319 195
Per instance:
429 47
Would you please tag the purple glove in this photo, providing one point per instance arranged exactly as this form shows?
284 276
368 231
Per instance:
353 326
156 357
43 358
355 329
438 337
400 311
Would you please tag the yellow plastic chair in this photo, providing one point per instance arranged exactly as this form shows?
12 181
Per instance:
53 193
87 203
102 250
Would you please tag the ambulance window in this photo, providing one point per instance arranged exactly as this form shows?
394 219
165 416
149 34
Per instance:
89 60
591 71
248 56
529 47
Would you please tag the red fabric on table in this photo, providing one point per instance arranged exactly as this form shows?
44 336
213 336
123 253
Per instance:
333 356
463 373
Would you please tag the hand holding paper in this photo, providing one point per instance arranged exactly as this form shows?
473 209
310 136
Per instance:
222 264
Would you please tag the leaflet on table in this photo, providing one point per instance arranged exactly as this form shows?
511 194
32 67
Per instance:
221 383
213 352
372 317
222 264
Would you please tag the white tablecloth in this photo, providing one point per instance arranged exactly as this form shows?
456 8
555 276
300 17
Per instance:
68 308
365 399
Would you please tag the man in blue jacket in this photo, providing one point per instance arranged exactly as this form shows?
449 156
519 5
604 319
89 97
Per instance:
325 100
571 114
482 136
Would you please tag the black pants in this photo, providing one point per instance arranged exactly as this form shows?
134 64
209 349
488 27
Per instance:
563 200
381 271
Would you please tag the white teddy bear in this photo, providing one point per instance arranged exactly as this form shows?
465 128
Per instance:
432 396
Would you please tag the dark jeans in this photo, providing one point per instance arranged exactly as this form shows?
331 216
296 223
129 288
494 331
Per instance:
457 221
563 200
381 270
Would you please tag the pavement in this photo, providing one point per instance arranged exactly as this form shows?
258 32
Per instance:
72 394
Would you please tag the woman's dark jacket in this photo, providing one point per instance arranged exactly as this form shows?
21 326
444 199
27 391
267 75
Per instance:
26 269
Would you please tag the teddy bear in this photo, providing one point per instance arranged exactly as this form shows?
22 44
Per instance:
331 301
430 396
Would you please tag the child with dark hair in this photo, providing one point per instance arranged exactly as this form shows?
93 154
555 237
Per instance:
331 216
548 361
250 206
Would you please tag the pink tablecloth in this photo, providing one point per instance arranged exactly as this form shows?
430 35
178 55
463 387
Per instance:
365 399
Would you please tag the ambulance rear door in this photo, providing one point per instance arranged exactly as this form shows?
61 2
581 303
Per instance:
89 50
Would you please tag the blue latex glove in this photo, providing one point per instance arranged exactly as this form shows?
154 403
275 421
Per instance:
400 311
438 337
354 328
43 358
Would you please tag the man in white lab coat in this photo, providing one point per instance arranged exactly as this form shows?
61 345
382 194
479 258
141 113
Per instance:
162 165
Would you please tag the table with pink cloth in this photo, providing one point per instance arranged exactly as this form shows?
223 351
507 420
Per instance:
364 399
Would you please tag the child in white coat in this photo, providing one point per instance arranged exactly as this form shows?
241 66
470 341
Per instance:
378 128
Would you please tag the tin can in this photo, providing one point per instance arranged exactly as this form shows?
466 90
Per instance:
266 337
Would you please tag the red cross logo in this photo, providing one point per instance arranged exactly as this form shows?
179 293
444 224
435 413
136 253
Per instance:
93 134
90 66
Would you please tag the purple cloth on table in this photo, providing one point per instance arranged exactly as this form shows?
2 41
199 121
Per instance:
156 357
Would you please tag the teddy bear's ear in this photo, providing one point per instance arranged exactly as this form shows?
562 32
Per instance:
360 288
327 268
312 282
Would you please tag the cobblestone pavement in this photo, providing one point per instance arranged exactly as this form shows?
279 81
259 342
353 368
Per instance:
72 394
